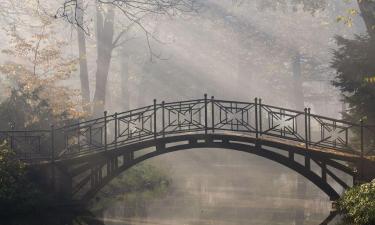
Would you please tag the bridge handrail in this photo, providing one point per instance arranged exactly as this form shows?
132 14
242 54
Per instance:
205 115
81 124
315 115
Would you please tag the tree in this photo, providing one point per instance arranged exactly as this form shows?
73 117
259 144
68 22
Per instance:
134 13
84 74
37 66
354 64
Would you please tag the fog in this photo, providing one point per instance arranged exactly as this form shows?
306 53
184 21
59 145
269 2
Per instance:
236 52
233 50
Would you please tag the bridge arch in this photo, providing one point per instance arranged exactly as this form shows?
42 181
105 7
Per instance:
82 150
279 153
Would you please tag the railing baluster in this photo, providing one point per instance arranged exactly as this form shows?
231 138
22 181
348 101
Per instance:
260 117
309 123
213 113
256 118
205 113
163 118
129 127
116 130
105 130
155 132
306 130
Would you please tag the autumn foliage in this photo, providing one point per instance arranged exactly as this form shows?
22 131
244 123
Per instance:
35 73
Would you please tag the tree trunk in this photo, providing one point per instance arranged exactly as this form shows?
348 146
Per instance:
367 8
297 82
125 95
105 31
83 71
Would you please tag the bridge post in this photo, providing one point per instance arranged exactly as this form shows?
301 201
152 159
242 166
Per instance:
309 123
213 114
116 130
205 114
308 138
260 116
155 132
256 118
163 118
105 130
306 130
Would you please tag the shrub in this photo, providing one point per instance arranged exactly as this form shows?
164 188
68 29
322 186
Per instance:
17 191
358 204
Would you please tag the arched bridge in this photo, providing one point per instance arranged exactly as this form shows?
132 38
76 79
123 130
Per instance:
87 155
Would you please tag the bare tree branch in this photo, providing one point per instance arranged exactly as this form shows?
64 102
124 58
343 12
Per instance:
134 11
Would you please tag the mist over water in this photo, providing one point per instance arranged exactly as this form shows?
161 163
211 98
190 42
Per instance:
233 50
215 186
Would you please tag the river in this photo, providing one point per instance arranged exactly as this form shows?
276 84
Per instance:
210 187
224 187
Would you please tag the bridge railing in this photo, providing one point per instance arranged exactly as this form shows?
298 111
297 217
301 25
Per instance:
80 138
206 115
131 126
178 117
233 116
315 130
29 145
332 133
282 123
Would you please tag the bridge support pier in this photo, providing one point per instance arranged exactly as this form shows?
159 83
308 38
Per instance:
160 147
128 156
55 181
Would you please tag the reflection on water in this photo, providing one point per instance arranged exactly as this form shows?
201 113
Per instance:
226 188
88 218
211 188
64 217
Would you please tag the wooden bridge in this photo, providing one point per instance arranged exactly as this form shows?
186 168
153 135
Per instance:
82 158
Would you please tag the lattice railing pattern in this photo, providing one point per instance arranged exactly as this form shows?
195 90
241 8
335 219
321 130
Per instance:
233 116
203 116
283 123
